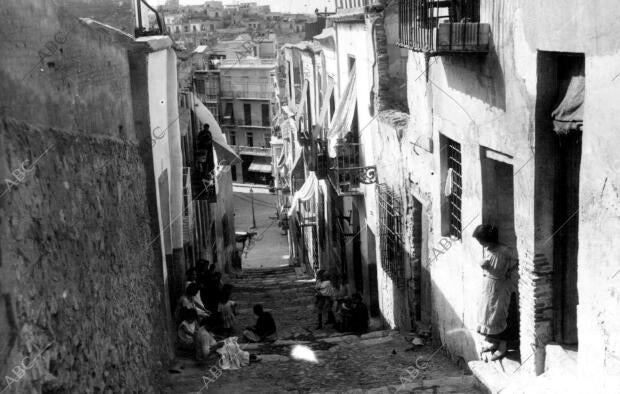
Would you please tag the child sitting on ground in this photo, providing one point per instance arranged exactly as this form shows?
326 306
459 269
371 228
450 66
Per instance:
264 329
204 342
187 328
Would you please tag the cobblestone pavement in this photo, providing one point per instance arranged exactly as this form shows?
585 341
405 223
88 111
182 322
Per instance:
376 362
271 246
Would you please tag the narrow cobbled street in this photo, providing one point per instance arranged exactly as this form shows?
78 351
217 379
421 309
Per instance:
376 362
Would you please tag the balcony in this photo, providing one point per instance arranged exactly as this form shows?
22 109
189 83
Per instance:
203 185
267 93
346 173
253 151
441 27
321 158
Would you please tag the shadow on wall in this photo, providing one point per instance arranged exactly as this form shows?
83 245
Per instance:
478 75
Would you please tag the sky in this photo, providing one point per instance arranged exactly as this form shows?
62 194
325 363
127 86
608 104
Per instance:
297 6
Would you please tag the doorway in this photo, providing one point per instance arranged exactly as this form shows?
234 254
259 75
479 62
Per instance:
497 173
559 118
414 291
566 240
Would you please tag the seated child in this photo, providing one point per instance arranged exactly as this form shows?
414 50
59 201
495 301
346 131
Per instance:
264 329
187 328
227 310
204 342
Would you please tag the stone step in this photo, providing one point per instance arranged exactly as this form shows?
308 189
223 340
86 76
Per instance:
258 272
241 288
249 303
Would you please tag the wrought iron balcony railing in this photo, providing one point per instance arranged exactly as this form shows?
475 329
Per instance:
253 151
346 173
442 26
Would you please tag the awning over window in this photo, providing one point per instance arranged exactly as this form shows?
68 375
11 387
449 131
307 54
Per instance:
260 165
568 116
221 147
322 121
305 193
341 122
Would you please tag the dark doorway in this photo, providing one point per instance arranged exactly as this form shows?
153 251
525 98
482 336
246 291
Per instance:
373 287
414 291
559 123
358 274
566 240
498 194
497 174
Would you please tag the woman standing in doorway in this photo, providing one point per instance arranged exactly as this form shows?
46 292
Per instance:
499 268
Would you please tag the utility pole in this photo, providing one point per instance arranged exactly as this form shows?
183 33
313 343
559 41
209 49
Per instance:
253 217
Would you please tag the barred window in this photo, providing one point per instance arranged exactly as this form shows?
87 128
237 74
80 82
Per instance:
452 187
390 222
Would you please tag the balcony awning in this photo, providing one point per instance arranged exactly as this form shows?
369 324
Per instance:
341 122
260 165
568 115
322 121
221 147
305 193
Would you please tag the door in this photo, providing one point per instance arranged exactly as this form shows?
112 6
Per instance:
566 242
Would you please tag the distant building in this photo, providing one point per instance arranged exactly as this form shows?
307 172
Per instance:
172 5
246 92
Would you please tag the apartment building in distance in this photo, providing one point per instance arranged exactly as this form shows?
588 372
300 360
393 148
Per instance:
242 94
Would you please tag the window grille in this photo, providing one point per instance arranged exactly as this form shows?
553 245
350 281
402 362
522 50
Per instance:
454 200
390 222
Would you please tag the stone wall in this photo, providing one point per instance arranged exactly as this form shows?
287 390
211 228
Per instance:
77 270
81 271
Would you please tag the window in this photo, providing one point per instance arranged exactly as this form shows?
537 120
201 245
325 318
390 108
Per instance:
202 28
194 27
250 139
247 114
390 226
451 187
229 116
332 106
267 140
233 173
265 115
232 137
200 86
186 28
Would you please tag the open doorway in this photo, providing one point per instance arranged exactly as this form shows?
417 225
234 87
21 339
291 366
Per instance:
497 173
559 121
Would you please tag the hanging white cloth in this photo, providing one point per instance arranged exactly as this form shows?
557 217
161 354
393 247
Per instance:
447 190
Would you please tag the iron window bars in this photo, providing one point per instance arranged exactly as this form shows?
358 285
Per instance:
454 199
390 226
